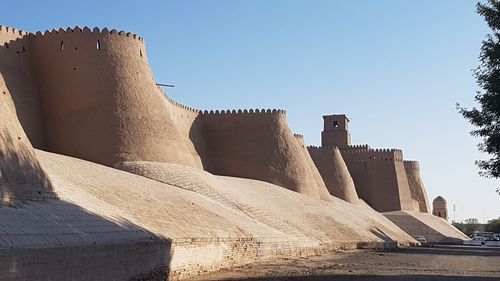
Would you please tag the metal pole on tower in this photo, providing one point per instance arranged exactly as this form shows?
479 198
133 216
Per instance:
454 213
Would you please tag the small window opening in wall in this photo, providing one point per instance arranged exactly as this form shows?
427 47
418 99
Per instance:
6 45
335 124
62 45
24 49
98 45
74 68
76 48
140 52
4 92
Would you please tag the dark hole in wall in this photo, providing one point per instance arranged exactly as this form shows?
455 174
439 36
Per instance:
140 52
62 45
98 45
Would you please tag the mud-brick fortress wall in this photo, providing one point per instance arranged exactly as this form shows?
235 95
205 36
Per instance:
18 82
258 144
416 185
100 100
91 94
21 176
334 172
380 178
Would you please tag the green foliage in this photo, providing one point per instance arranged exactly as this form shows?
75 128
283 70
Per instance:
472 221
469 226
486 119
493 226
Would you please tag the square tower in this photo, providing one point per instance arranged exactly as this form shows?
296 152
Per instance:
335 131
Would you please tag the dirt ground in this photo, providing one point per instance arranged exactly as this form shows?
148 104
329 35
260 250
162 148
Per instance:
440 263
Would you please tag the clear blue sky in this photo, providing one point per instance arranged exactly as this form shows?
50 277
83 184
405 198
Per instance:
397 68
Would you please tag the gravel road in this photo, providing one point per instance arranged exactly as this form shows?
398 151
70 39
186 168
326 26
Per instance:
440 263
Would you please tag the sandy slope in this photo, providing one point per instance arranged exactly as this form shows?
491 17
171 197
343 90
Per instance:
433 228
118 225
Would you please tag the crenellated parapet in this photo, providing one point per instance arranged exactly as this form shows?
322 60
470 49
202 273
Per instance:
243 111
364 154
177 104
13 40
221 112
39 35
15 32
411 164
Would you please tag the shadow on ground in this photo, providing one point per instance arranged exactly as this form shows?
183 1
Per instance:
375 278
453 251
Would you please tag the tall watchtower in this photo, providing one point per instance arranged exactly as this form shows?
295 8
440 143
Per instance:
335 132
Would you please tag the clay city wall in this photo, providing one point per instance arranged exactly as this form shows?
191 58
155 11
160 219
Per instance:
334 172
18 81
21 176
417 188
380 178
96 99
258 144
100 100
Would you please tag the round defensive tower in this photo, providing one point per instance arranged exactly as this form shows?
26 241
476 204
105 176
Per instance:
101 102
417 188
440 207
334 172
260 145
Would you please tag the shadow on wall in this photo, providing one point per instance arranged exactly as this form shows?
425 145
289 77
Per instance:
57 240
15 69
200 146
21 176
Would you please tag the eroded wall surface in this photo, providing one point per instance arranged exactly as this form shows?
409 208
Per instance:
259 145
91 95
101 102
380 178
18 82
416 184
334 172
21 176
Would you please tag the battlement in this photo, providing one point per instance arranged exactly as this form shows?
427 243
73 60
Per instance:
177 104
14 31
363 153
85 30
325 148
244 111
410 164
357 147
12 39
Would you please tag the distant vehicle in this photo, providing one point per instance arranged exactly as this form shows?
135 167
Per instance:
493 241
423 241
476 241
